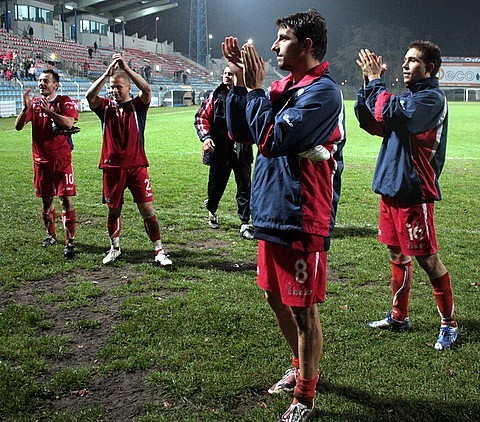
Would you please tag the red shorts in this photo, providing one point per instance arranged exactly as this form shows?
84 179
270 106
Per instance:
409 226
54 178
299 277
115 181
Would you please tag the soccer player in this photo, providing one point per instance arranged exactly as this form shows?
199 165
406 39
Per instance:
299 130
123 159
223 155
413 126
52 117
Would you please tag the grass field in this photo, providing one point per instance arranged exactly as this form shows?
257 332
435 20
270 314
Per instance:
83 342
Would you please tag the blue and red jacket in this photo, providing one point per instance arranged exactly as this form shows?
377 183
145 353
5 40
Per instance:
290 193
414 130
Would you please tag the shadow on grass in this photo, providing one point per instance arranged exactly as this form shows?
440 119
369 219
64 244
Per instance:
400 409
469 332
215 259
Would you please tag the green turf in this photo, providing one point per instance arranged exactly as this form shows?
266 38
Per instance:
202 334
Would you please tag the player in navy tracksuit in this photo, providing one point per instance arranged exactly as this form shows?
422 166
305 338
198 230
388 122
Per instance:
299 131
414 130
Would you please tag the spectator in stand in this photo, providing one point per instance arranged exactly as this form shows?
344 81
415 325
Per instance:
30 33
148 72
90 52
95 47
32 72
86 69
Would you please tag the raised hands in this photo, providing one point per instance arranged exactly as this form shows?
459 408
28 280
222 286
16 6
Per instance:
371 64
27 99
246 64
232 55
254 67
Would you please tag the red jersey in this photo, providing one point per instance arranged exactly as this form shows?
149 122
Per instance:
46 145
123 127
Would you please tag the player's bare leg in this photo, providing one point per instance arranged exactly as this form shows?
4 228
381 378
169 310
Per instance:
288 327
152 228
114 227
310 346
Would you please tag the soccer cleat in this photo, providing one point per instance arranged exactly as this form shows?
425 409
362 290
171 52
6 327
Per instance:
286 384
161 258
112 255
389 323
447 337
246 231
49 241
69 251
298 412
213 220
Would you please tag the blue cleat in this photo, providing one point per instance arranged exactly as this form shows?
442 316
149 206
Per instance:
447 337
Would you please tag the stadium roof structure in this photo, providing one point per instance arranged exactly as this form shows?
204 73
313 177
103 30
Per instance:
123 10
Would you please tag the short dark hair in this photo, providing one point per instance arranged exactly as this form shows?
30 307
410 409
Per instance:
430 53
309 24
55 75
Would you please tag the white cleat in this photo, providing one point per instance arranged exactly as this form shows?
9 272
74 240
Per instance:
112 255
162 259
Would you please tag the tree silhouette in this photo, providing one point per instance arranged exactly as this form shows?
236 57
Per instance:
390 42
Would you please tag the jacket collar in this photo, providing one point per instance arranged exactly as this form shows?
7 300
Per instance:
285 84
423 84
222 87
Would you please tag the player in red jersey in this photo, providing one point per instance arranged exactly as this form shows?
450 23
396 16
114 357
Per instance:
52 115
123 159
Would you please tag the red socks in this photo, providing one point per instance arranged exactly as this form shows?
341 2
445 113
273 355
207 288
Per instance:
114 227
304 391
442 290
70 224
401 281
49 221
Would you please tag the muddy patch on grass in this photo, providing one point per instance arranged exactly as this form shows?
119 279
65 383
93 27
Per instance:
121 395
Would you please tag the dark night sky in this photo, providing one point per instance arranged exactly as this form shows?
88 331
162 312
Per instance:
453 25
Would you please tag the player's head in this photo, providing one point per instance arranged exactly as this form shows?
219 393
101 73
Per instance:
422 60
120 86
227 76
309 25
48 83
431 54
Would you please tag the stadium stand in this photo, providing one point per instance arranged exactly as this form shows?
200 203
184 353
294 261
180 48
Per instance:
173 77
